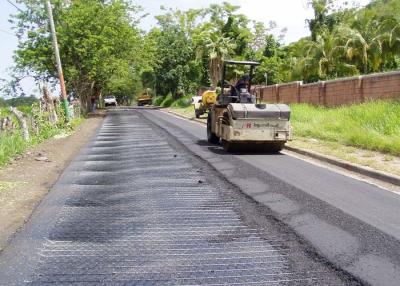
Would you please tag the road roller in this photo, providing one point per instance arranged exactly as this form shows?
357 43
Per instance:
241 122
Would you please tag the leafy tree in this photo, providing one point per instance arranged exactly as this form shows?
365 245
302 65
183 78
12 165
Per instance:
176 68
98 43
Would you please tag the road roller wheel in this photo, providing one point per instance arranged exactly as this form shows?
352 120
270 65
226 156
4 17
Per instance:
229 146
275 147
211 137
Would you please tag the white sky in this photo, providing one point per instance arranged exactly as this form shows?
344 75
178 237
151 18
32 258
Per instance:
290 14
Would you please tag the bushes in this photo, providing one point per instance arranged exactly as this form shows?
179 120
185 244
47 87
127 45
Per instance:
182 102
12 142
158 100
168 100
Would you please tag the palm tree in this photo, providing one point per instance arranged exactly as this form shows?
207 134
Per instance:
212 44
323 58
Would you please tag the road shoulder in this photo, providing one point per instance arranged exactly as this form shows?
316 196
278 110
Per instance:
26 181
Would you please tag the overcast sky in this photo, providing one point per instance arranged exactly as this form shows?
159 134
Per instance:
290 14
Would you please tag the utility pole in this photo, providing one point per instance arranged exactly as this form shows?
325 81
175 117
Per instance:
58 60
266 78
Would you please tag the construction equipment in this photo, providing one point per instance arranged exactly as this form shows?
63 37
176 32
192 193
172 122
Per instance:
242 123
204 102
144 99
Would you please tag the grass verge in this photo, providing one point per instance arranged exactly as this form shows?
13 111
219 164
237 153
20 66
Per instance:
372 126
13 144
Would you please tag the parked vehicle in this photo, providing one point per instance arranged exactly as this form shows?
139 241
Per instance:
204 102
110 100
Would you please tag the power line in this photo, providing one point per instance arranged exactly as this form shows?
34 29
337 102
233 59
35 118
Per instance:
4 31
19 9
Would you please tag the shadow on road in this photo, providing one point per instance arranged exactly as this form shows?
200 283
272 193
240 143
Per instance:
242 150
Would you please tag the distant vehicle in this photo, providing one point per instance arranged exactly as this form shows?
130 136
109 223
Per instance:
110 100
144 99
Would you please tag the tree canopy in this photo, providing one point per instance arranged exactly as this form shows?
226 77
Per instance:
103 50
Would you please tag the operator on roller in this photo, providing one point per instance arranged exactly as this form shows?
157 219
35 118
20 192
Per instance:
242 83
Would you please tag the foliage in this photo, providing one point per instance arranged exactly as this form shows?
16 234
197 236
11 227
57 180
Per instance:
158 100
12 142
104 52
98 40
182 102
348 42
18 101
11 145
167 101
360 125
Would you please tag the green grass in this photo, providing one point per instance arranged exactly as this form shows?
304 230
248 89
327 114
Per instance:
13 144
187 111
168 100
372 125
10 146
182 102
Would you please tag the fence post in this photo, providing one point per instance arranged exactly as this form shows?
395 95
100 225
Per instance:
22 122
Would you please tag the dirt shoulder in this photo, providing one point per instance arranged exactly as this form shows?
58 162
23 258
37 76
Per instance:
25 181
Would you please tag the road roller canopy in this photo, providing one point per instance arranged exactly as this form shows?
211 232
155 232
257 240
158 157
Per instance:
246 63
225 99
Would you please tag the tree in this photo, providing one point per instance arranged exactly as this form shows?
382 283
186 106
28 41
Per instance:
176 69
98 40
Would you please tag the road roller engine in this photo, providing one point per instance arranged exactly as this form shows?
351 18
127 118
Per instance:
242 122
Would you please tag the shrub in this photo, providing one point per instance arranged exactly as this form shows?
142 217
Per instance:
182 102
168 100
158 100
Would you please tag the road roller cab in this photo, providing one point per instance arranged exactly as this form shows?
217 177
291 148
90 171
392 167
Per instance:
242 122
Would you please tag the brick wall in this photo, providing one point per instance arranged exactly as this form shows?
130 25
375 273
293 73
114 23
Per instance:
310 93
338 92
289 92
343 92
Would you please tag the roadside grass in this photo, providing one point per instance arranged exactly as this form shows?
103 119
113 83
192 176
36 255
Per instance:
187 111
372 125
10 146
13 143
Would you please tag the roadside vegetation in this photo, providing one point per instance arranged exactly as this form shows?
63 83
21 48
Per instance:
372 125
12 142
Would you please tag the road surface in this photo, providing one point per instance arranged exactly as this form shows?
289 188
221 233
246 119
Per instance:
149 202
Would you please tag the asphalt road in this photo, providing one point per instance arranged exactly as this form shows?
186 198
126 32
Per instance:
352 223
149 202
136 207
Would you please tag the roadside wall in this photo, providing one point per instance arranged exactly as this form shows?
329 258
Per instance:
345 91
